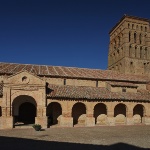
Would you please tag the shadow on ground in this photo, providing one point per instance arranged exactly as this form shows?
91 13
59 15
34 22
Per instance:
7 143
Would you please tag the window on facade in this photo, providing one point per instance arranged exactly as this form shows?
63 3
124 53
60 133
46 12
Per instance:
97 82
140 52
129 36
123 89
135 51
128 25
134 37
132 26
130 51
141 28
118 41
146 53
145 29
140 38
64 81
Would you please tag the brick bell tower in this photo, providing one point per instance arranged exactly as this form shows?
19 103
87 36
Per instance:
129 48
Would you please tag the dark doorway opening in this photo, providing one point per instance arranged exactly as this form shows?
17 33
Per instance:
27 113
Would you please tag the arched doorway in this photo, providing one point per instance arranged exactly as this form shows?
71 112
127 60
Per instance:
54 112
24 110
120 114
27 113
79 114
138 113
100 114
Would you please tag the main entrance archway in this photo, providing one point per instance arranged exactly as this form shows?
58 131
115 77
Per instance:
24 110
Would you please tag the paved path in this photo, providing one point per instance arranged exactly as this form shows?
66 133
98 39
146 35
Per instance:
89 138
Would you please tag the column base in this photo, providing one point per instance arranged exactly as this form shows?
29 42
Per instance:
42 121
147 120
90 121
130 121
111 121
66 121
6 122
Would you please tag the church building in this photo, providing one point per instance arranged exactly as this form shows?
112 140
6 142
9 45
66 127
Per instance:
56 96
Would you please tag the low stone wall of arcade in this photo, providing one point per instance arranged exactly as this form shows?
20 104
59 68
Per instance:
69 113
74 113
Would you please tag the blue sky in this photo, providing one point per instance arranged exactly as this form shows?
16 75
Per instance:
70 33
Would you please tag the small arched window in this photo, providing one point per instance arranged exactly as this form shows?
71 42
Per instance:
146 52
118 41
135 51
145 29
134 37
130 51
141 28
132 26
141 52
128 25
140 38
129 36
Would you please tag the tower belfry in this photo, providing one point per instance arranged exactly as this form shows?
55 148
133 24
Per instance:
129 48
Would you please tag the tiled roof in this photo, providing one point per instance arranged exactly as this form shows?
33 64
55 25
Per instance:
91 93
122 84
1 89
70 72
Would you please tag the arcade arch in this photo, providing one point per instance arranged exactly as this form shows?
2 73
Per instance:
54 113
100 114
120 113
138 114
79 114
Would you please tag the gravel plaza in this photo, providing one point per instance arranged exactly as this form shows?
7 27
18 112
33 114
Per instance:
89 138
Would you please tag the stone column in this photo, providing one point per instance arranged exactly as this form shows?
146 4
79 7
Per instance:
7 118
143 39
132 51
126 50
147 116
137 38
148 39
129 117
137 51
66 119
132 36
125 36
148 52
90 120
41 116
110 116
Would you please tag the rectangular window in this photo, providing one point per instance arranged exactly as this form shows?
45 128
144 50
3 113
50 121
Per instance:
123 90
96 83
64 81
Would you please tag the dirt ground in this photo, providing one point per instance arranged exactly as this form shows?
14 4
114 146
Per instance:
89 138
